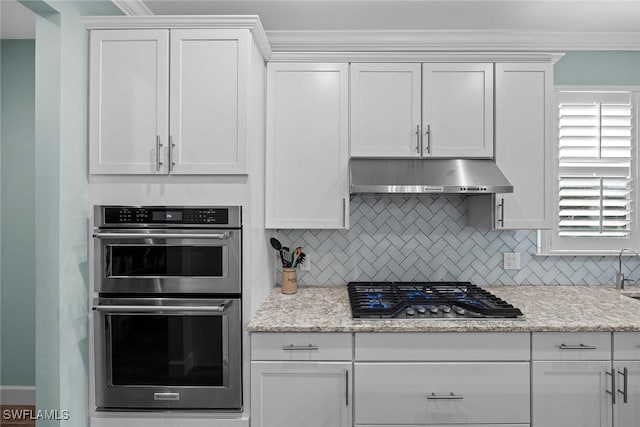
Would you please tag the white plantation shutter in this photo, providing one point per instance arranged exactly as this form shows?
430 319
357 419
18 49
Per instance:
595 139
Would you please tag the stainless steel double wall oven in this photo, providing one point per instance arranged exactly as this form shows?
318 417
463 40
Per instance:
167 316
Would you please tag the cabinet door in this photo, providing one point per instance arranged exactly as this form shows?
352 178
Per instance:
566 394
627 413
523 144
307 146
457 110
442 393
129 101
385 110
295 394
209 99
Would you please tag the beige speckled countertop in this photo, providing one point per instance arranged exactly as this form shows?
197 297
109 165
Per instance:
546 308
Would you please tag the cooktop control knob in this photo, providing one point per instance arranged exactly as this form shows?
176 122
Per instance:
410 311
433 310
421 309
460 311
446 309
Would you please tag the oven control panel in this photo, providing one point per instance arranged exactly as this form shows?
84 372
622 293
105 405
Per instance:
169 216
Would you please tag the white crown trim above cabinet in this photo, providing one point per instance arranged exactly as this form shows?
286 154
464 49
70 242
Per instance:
307 184
170 101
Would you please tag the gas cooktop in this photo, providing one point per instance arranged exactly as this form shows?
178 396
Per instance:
427 300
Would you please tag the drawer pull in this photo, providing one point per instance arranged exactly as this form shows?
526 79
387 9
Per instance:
292 347
449 396
612 374
576 347
625 388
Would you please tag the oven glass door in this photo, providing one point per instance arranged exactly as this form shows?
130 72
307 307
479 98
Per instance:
165 260
158 261
156 355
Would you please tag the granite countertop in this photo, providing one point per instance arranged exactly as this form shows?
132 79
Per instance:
546 308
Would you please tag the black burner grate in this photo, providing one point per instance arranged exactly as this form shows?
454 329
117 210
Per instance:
389 299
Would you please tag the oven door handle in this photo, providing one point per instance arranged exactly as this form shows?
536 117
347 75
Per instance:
112 235
160 308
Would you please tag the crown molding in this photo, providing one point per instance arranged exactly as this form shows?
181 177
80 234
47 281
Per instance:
132 7
248 22
418 56
448 40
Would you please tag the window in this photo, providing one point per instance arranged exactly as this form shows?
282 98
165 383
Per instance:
596 174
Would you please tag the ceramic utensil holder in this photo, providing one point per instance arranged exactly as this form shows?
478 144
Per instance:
289 281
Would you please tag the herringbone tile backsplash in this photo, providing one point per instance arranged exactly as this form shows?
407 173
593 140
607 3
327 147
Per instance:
426 238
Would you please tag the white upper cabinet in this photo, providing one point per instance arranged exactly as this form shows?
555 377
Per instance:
457 110
140 126
129 118
307 146
523 144
209 93
447 111
385 110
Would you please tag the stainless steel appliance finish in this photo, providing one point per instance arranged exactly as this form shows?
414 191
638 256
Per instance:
168 353
467 176
162 249
167 315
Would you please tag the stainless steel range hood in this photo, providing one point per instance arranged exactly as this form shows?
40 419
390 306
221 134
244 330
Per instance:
415 176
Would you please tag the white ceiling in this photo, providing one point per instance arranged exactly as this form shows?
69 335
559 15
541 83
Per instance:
521 15
16 21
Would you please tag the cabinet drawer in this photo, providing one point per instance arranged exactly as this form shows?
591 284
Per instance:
476 346
571 346
626 345
441 393
301 346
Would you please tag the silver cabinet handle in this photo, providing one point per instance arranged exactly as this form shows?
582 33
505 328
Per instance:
418 139
346 394
428 134
576 347
449 396
159 308
501 218
613 386
158 148
344 212
115 235
292 347
172 163
625 386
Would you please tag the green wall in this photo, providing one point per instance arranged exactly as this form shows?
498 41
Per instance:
598 68
61 205
17 281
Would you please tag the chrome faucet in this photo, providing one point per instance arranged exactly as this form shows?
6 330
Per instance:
619 276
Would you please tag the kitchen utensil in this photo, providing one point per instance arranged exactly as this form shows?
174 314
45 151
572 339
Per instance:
275 244
296 253
300 259
286 257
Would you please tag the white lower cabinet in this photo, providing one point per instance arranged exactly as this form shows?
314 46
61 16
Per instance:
301 394
441 393
626 357
301 379
571 394
626 411
571 380
441 379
